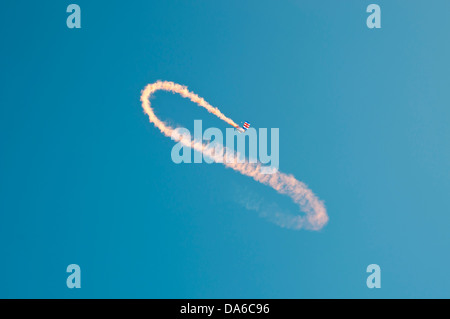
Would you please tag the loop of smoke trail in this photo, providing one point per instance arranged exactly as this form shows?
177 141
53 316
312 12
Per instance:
315 213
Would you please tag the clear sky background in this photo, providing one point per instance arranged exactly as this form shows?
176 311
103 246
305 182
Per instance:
85 179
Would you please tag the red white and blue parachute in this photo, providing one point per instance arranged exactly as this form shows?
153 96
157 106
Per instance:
243 128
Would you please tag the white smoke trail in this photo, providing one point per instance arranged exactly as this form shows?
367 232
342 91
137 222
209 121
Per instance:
315 213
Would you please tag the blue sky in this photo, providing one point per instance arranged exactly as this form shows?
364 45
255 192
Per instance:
85 179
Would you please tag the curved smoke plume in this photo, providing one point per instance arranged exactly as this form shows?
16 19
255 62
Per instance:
315 216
